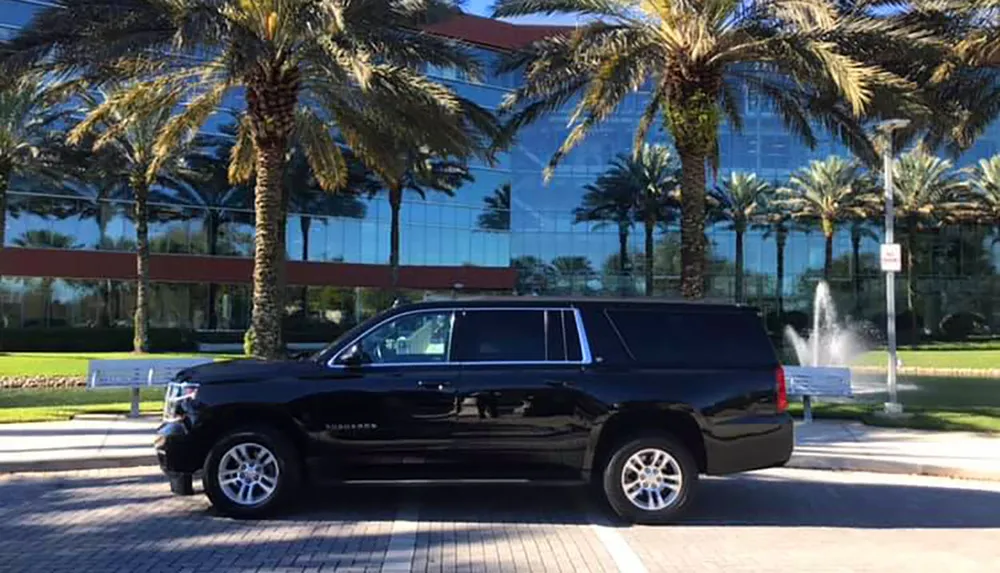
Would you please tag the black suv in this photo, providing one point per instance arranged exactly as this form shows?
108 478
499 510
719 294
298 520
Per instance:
636 397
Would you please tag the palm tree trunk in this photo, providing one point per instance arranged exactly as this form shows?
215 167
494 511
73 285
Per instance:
739 265
265 338
780 241
104 320
5 171
828 248
395 204
649 247
213 248
304 224
856 271
140 341
692 224
623 258
271 98
911 255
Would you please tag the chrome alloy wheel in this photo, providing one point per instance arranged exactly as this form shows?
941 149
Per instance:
652 479
248 474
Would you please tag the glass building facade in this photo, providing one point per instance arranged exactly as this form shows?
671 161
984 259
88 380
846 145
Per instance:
531 229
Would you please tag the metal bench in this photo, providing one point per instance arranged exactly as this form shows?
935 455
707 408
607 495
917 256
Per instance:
810 382
137 374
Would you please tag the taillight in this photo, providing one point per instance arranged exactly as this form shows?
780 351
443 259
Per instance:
779 377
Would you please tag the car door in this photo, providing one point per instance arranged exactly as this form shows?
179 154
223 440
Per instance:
520 412
391 394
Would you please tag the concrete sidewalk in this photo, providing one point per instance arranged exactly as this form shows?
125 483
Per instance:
110 441
843 445
85 443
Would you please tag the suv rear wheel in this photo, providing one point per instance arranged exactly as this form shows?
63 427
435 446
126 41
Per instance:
251 472
650 479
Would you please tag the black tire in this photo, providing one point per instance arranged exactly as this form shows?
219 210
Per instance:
288 478
615 494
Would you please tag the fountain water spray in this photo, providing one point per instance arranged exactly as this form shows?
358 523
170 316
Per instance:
830 344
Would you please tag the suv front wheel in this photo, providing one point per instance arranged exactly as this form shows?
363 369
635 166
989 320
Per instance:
650 480
250 473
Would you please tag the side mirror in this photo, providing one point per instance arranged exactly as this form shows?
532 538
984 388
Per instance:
352 358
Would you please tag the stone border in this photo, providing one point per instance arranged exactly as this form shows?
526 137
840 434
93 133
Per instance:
36 382
882 466
99 463
921 371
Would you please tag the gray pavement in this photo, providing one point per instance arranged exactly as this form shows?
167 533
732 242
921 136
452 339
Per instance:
109 442
799 520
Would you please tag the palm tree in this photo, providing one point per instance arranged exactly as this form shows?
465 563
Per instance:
651 176
27 114
984 184
496 210
829 192
927 192
608 203
303 68
128 138
739 200
812 62
860 230
777 222
418 170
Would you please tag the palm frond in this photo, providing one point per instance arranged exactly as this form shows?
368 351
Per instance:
324 155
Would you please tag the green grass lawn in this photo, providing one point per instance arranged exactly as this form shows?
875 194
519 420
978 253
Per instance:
937 403
52 404
70 364
48 405
934 357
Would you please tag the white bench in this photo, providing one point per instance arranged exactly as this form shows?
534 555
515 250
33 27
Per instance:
810 382
137 374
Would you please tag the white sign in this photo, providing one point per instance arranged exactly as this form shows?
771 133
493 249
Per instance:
891 258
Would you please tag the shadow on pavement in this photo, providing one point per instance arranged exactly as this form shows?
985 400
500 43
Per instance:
773 501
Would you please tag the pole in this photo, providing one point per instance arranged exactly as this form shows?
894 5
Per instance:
893 406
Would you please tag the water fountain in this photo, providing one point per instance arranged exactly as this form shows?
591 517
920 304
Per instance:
824 356
830 343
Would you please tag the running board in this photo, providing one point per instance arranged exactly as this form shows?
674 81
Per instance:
483 481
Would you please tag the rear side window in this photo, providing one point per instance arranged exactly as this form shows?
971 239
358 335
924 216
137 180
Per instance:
694 340
573 351
500 336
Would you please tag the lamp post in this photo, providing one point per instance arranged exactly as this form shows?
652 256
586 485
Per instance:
886 129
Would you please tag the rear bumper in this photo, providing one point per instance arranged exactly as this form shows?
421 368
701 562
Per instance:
176 449
751 443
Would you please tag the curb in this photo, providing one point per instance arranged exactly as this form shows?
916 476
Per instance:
923 371
854 464
36 466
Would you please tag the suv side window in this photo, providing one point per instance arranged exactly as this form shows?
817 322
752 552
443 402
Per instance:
694 339
500 336
408 339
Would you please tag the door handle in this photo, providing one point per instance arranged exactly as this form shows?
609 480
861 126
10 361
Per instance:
558 384
432 384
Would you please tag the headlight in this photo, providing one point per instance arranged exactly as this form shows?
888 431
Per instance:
177 392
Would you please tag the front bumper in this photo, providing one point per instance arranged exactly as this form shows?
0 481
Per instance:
177 451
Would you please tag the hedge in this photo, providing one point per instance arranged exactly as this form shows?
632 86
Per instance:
67 339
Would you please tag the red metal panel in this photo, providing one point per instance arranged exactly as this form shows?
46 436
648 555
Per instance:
493 33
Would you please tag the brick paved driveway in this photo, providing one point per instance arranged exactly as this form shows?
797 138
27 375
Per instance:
791 520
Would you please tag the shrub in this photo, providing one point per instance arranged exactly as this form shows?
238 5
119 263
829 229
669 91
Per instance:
960 326
71 339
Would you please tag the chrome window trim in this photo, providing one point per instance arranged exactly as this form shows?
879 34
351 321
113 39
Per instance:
581 335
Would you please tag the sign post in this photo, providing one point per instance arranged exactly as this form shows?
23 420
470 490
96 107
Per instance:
892 262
